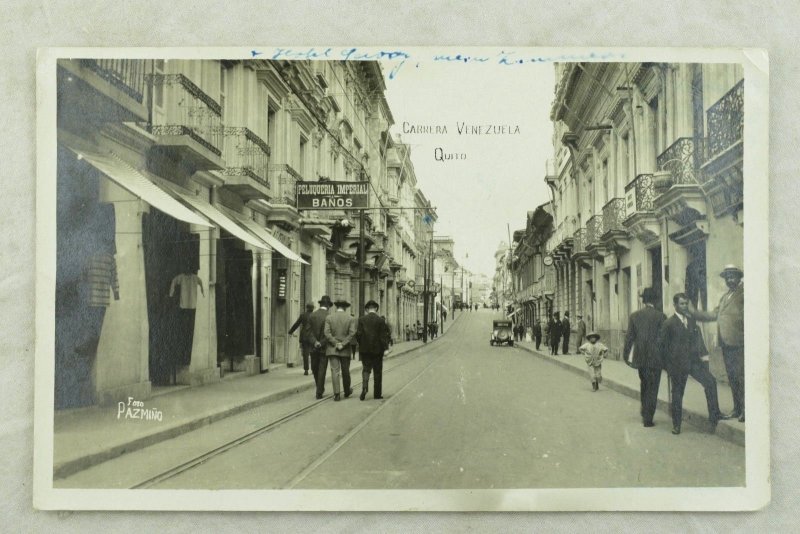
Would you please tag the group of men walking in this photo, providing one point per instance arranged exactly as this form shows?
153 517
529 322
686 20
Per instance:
328 335
676 345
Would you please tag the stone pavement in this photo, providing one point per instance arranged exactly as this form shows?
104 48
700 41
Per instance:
619 377
89 436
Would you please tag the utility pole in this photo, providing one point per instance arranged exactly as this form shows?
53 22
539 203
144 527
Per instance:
361 259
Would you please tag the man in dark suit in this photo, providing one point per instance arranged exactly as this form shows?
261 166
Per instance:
642 336
681 348
729 315
555 334
340 329
316 337
537 332
302 324
565 326
372 333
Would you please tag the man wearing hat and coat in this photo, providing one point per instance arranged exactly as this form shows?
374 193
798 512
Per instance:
729 315
580 333
643 328
373 337
340 329
316 338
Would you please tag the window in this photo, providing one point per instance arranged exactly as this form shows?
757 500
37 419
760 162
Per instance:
222 89
301 164
158 88
271 126
654 130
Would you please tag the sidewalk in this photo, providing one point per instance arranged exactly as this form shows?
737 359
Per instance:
619 377
90 436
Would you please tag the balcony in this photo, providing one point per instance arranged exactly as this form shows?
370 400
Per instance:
190 125
282 180
113 89
246 169
681 160
677 190
641 220
723 169
594 229
127 75
580 240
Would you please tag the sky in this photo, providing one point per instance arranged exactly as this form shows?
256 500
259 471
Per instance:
502 175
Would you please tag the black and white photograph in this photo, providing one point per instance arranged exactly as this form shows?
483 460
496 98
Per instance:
402 278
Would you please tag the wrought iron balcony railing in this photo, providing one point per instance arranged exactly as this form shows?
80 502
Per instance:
282 179
726 120
127 75
614 215
640 194
246 154
594 229
189 111
681 160
579 239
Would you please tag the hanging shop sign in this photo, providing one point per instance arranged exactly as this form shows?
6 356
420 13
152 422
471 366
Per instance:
332 195
280 285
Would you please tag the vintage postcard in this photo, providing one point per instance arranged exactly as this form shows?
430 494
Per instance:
398 278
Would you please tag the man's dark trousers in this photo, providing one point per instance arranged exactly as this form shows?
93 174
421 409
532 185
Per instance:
650 380
554 344
734 365
319 364
699 372
306 350
372 362
345 365
565 345
538 341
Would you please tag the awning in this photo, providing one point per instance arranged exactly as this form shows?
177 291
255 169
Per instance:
219 218
133 181
263 234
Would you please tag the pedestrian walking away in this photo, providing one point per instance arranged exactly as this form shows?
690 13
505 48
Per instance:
729 315
580 332
642 352
682 346
305 340
594 353
372 334
316 336
565 331
340 330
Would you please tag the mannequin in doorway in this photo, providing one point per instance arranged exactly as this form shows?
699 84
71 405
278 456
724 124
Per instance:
187 304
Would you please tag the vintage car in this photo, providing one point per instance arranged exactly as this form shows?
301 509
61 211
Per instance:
502 333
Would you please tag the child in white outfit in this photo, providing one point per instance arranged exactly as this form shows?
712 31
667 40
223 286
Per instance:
594 352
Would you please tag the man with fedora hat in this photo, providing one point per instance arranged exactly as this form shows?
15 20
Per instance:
729 315
580 331
316 338
340 329
373 337
641 338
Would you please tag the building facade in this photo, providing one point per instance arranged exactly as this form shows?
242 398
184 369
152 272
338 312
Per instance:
647 187
178 232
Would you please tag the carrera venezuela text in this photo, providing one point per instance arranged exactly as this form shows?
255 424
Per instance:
462 128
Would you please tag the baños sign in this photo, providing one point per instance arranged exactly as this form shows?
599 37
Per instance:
332 195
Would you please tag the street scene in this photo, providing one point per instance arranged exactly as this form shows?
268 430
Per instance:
456 414
300 272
